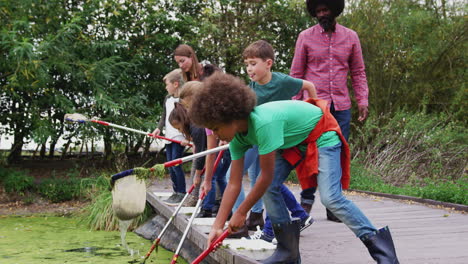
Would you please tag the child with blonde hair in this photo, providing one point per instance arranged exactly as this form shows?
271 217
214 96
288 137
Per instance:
173 81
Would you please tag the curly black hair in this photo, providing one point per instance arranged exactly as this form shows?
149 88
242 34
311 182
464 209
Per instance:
223 99
336 6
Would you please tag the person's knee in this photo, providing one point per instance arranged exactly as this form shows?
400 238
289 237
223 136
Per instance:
332 201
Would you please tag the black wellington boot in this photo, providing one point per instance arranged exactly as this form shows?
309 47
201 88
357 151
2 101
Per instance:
287 249
254 220
380 246
332 217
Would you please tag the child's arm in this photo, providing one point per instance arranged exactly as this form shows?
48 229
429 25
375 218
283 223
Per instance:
310 88
229 198
162 121
267 165
211 142
197 177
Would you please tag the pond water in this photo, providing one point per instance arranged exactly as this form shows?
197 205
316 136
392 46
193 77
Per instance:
41 239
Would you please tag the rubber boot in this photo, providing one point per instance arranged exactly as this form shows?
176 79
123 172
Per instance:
287 249
254 220
332 217
205 213
380 246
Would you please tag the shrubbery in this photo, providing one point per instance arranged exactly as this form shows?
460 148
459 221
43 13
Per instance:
16 181
452 191
60 189
411 154
54 189
405 148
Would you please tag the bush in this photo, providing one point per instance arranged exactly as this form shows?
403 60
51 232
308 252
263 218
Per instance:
16 181
59 190
405 148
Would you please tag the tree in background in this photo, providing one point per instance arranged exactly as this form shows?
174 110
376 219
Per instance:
107 58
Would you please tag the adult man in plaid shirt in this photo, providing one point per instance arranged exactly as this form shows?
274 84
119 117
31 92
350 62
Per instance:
324 55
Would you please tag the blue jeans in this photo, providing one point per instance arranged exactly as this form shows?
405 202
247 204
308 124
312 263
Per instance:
251 163
273 199
294 208
175 151
331 196
219 177
344 119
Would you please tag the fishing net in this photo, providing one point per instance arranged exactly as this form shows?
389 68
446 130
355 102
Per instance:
129 197
76 117
129 193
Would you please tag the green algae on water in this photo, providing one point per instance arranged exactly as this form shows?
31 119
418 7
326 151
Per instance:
39 239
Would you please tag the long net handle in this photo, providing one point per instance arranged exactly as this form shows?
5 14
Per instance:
207 251
136 131
195 156
187 229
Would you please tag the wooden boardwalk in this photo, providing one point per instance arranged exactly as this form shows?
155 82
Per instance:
422 234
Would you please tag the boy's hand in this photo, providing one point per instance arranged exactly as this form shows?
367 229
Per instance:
156 132
237 221
222 143
214 234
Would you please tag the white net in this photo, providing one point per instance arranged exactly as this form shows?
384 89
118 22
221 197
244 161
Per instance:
76 117
129 197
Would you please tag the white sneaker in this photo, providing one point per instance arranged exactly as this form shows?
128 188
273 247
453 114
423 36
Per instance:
260 235
306 223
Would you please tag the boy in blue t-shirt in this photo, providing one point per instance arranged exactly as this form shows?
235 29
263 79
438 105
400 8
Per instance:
228 107
269 86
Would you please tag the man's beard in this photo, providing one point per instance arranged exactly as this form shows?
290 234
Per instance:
327 23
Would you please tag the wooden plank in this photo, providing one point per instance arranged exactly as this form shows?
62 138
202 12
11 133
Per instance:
422 234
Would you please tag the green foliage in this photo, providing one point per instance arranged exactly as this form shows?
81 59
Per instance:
452 191
292 177
15 181
414 53
59 189
405 147
108 59
98 215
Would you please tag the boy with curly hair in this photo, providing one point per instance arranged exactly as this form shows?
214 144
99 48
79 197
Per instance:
283 131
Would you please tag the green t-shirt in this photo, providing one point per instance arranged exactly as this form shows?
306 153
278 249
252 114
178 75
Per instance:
280 125
280 87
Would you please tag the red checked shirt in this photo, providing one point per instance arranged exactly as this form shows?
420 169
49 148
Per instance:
326 62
